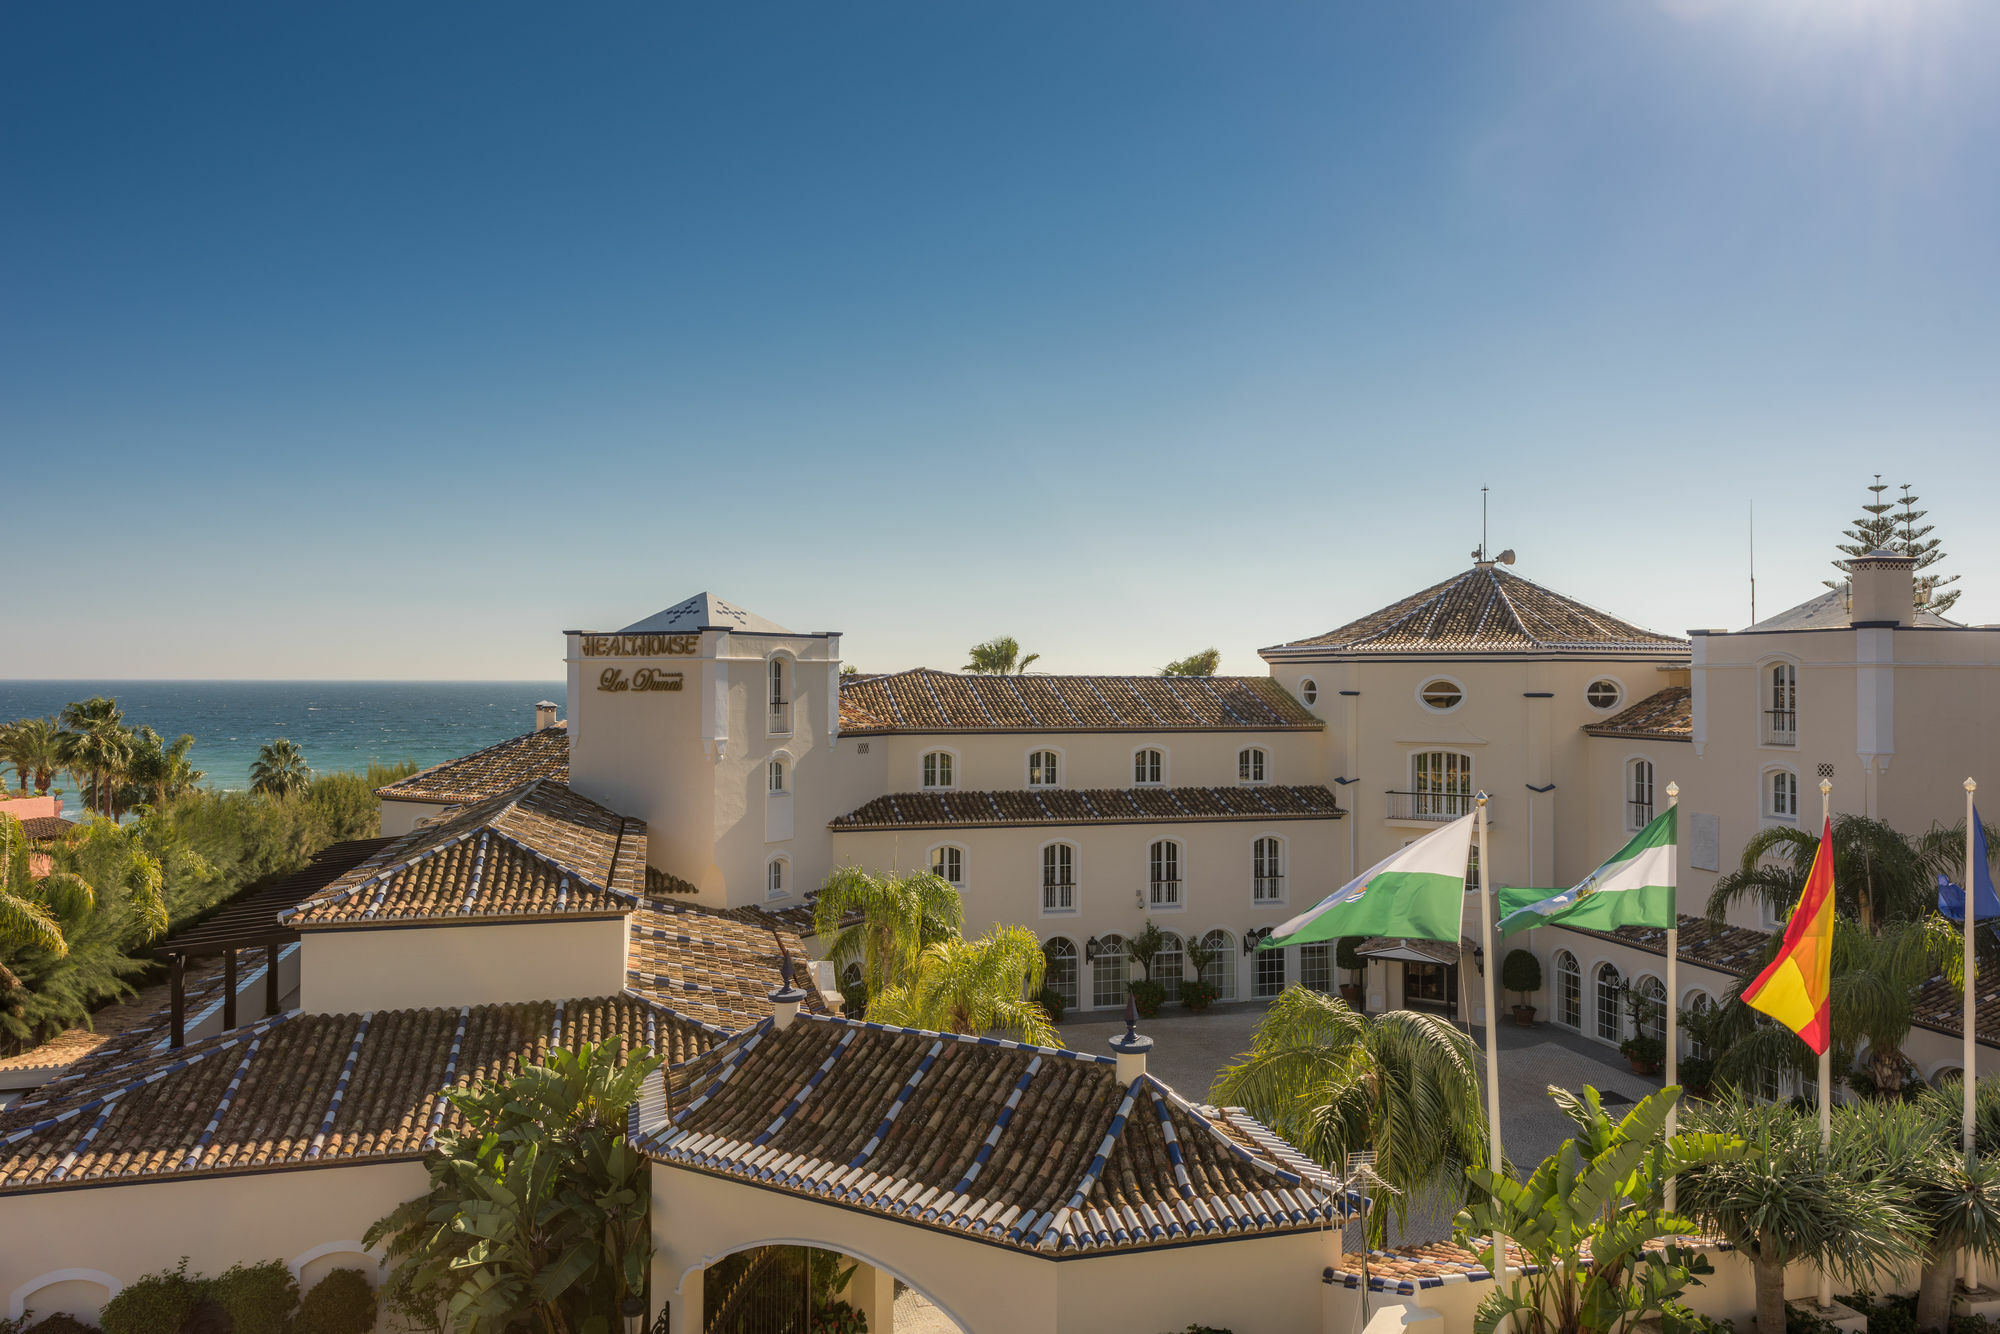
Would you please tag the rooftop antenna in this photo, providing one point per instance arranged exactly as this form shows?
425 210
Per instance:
1753 562
1482 523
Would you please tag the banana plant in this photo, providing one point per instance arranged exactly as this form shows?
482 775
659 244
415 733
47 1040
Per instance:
1591 1222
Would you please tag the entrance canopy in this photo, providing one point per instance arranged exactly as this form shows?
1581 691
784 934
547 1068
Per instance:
1412 951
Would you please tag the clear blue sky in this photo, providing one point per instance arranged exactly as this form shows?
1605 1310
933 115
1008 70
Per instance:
390 341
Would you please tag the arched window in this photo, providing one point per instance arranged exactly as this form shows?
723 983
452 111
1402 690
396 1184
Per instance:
1147 766
777 775
1781 705
1782 794
1221 969
1107 972
938 769
1651 1007
1060 976
1610 1021
1697 1012
948 863
1440 785
1042 768
780 699
1267 871
1163 869
774 879
1058 878
1569 990
1169 965
1309 690
1638 794
1250 764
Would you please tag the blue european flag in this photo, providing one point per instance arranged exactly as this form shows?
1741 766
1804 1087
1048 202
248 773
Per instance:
1985 903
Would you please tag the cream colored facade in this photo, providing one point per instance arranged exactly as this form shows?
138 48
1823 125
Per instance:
353 970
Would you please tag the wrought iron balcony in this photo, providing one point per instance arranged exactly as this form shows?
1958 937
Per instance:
1781 727
1166 893
1438 806
1059 897
1638 814
1267 888
780 717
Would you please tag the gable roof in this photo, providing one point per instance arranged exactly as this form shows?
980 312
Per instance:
716 968
1033 1148
925 700
303 1090
484 773
539 851
1485 610
1664 715
703 611
1060 806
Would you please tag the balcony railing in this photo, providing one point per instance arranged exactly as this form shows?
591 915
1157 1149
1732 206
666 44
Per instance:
1439 806
1638 814
780 717
1267 889
1166 893
1781 727
1059 897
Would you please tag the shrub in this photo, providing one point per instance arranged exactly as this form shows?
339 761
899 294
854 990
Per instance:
1053 1002
260 1299
59 1323
1678 1319
1346 955
838 1317
1148 997
1696 1074
156 1304
1643 1051
340 1303
1521 973
1199 994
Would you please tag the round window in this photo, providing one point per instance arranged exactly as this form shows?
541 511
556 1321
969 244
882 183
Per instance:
1602 694
1309 691
1442 694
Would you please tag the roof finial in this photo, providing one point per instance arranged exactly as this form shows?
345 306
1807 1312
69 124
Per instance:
1131 1018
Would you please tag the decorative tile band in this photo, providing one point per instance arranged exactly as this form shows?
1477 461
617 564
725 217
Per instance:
207 1135
450 1079
999 1128
477 878
340 1087
806 1090
900 1101
721 1076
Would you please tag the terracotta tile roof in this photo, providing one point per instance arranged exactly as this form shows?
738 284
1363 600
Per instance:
1667 715
1407 1270
539 851
1486 610
298 1089
46 828
251 918
1033 1148
713 967
1716 945
929 701
660 884
487 773
1118 805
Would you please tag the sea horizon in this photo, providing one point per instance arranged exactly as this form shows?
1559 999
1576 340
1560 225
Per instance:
340 724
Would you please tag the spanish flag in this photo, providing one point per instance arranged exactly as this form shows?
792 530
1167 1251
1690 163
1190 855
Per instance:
1793 989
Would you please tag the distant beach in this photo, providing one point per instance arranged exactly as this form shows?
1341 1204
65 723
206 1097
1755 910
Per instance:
338 724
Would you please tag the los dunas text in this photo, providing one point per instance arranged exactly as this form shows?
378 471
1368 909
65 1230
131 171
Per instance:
646 678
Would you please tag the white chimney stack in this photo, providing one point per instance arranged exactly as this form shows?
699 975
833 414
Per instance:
545 715
1884 584
1130 1047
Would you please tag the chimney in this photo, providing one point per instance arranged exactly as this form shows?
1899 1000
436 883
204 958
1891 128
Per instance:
545 715
1884 584
1131 1048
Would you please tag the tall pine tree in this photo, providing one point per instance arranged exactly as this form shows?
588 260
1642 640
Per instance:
1881 528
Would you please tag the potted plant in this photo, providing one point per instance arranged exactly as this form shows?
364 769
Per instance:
1141 949
1199 993
1521 973
1645 1054
1347 958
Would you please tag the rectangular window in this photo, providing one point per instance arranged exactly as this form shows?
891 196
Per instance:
937 769
1058 879
1166 874
1270 973
1315 968
949 864
1267 874
1250 765
1042 769
1146 766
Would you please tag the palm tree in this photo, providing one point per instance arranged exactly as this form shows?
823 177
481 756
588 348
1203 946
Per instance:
1333 1082
26 915
1786 1200
1954 1206
96 748
998 657
884 923
973 986
280 770
34 747
1879 875
162 769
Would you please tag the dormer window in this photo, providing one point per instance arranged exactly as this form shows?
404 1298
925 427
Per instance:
1042 768
777 774
938 769
1250 764
1147 766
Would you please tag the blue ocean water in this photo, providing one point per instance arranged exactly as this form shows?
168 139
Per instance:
338 724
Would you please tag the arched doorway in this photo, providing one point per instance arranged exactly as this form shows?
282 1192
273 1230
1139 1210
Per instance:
791 1288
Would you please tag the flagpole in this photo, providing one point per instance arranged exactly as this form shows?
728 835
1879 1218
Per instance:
1969 1078
1492 1038
1674 988
1826 1065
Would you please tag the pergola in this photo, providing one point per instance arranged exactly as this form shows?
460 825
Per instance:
251 920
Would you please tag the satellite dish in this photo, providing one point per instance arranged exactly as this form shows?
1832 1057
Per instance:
1507 556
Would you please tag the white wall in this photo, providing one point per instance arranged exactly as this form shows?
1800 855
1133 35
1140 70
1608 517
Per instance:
354 970
400 817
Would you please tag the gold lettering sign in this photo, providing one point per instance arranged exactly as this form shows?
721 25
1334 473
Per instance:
641 646
612 679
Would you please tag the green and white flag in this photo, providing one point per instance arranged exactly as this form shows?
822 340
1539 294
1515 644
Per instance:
1418 891
1634 888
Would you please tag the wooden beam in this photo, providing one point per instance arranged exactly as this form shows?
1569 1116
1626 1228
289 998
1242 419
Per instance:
177 989
229 988
271 952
